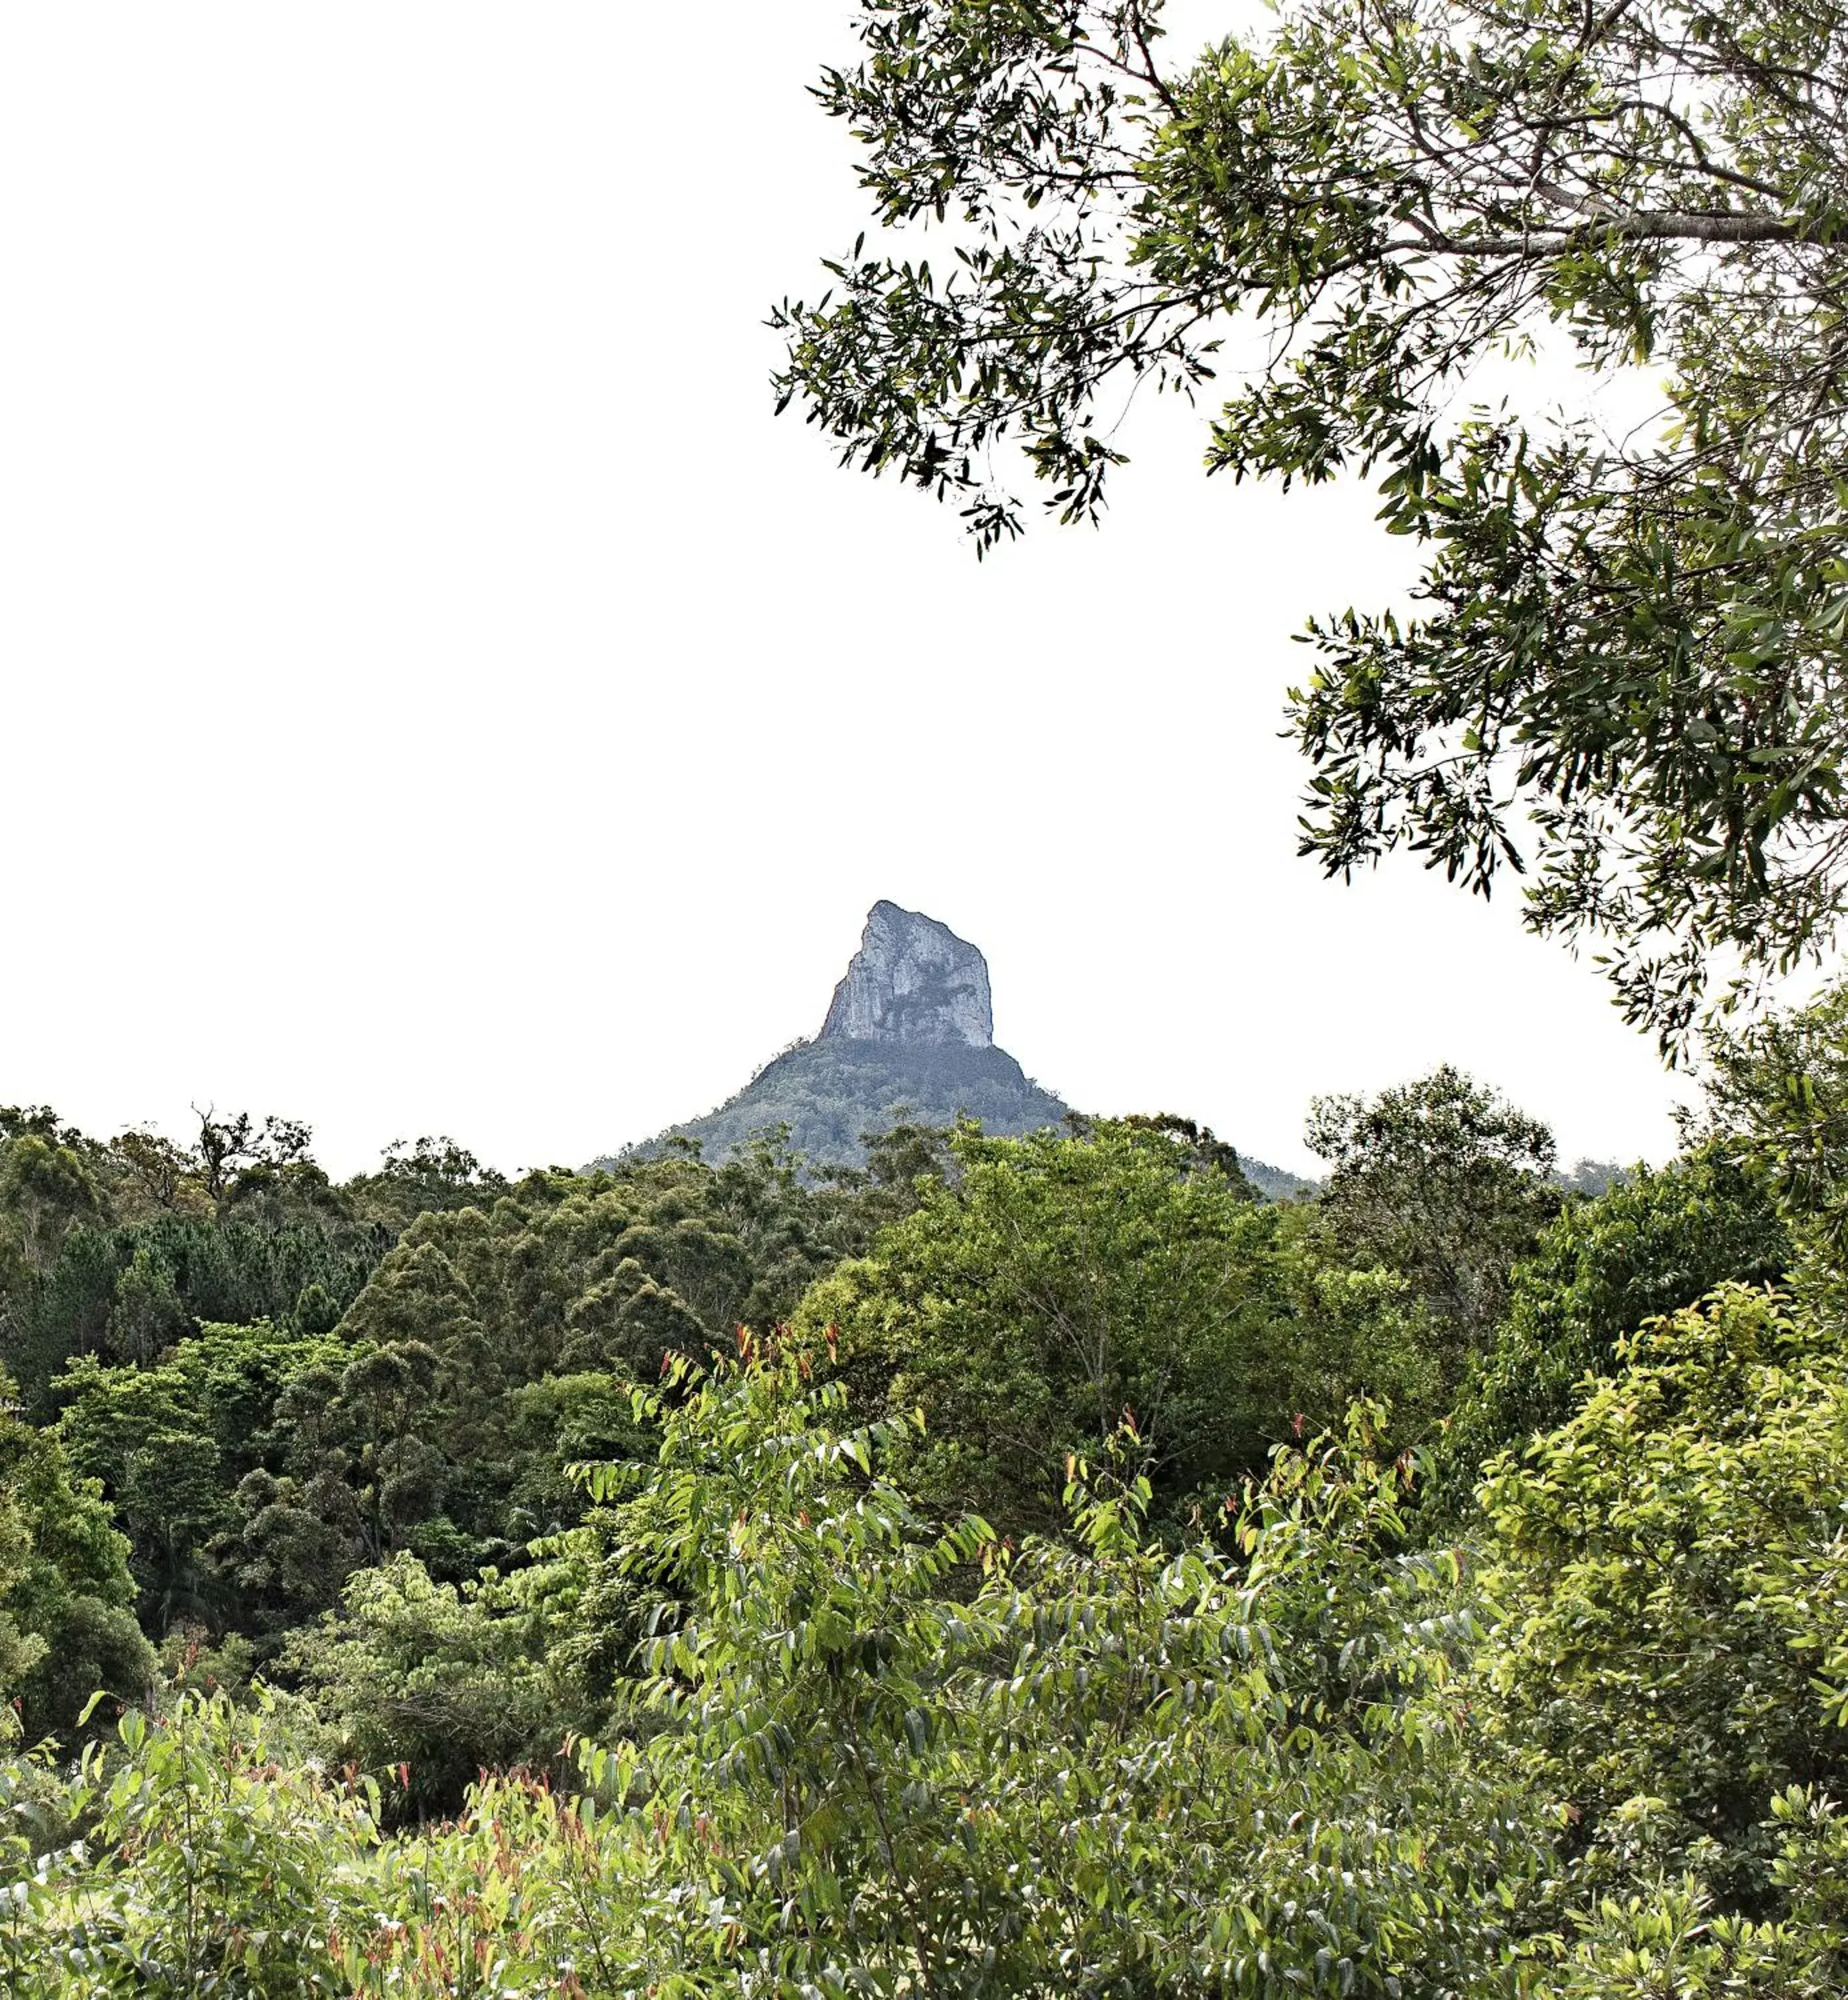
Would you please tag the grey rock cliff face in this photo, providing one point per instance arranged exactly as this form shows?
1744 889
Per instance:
913 980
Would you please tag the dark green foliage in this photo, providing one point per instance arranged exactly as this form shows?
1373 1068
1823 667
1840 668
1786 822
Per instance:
239 1271
65 1586
1443 1183
49 1316
240 1229
1056 1285
1653 1244
173 1444
1778 1095
1209 1152
432 1175
256 1466
1624 667
889 1183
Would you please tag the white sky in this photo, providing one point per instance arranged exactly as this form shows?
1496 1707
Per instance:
440 697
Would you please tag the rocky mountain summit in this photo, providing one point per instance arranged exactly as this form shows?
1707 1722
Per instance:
909 1036
913 980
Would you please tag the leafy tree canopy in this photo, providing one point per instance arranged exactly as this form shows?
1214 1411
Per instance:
882 1754
1673 1650
1779 1105
428 1404
1443 1182
425 1675
67 1619
1055 1283
1653 1244
1624 672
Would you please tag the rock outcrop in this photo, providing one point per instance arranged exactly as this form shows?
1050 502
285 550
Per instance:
910 1037
913 980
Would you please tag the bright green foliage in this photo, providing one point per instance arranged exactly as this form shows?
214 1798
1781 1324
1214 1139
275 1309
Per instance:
1059 1283
226 1858
1671 1574
20 1651
900 1760
67 1623
886 1755
1627 656
439 1679
1671 1940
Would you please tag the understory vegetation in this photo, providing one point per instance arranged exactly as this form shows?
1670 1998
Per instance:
1013 1566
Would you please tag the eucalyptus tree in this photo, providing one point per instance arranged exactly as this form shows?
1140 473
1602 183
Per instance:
1624 677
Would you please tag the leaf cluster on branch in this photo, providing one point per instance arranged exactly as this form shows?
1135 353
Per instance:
1624 677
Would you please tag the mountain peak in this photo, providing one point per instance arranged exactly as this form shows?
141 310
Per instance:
913 980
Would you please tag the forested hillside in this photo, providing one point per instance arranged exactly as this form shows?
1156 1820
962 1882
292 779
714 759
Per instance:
825 1094
819 1100
1011 1553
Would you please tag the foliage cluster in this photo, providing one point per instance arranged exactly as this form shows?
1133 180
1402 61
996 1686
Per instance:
1061 1286
256 1466
1622 671
115 1249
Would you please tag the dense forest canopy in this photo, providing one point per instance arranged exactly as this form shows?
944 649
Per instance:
1006 1565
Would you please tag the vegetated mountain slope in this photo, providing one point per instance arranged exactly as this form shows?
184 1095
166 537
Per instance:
829 1092
1275 1183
